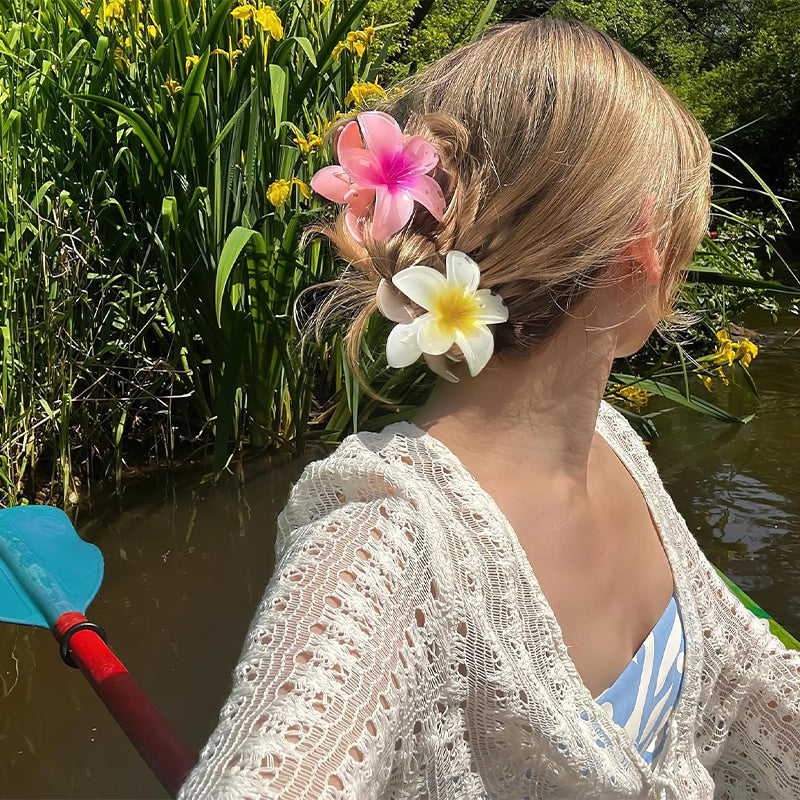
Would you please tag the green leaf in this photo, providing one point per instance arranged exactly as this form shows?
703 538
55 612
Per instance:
278 89
711 275
671 393
307 48
761 183
234 245
484 18
227 393
169 212
192 94
139 124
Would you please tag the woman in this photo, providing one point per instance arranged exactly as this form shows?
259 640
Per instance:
499 599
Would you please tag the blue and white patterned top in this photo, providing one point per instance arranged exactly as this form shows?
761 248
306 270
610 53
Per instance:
642 697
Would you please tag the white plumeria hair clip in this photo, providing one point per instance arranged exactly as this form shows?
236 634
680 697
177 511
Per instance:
457 313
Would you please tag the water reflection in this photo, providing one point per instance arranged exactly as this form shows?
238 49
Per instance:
737 486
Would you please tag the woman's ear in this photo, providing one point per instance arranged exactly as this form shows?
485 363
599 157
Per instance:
645 257
643 251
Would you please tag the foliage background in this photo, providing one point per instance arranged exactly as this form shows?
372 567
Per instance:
154 161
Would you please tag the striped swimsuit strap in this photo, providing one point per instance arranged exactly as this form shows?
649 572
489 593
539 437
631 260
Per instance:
642 697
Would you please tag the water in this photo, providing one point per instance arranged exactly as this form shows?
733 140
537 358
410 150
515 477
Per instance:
738 486
185 569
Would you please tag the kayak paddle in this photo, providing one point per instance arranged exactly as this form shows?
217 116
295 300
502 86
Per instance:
48 577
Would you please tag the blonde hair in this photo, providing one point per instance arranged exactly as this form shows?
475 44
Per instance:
554 141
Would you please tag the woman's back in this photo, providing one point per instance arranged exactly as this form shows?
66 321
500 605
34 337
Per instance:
404 649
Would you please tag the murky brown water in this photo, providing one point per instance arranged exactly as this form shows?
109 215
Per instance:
738 486
185 569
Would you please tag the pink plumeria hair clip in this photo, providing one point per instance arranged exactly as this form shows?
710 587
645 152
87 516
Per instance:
380 176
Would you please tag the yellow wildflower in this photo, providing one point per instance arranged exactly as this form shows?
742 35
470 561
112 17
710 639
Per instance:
243 11
172 86
369 31
278 191
191 61
154 30
719 371
634 395
356 42
746 351
120 59
706 381
311 140
304 188
245 41
85 11
114 10
725 352
230 54
361 92
269 21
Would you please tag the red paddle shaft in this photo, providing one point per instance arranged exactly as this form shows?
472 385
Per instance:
158 743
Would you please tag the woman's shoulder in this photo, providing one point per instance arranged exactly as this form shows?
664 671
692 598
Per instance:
366 467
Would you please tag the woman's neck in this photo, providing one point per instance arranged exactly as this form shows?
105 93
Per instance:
527 418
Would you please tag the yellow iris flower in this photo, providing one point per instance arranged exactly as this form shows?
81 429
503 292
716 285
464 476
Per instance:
172 86
356 42
634 395
269 21
360 92
230 54
746 352
114 10
243 12
279 191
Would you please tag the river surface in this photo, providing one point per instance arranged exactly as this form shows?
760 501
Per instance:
186 564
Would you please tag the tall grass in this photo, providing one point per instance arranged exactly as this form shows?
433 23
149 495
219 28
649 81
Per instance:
147 279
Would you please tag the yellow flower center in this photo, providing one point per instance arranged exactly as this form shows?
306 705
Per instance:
455 309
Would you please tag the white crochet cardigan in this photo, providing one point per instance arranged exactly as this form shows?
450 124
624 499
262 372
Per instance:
404 649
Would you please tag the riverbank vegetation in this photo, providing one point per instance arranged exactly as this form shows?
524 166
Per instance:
154 169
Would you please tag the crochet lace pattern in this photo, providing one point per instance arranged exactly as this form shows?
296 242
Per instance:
404 649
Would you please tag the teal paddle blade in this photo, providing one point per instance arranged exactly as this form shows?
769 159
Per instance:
46 569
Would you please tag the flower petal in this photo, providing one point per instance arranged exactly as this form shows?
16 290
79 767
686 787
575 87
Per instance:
462 270
425 190
392 211
349 139
435 338
390 306
359 198
362 167
382 134
331 182
420 154
477 347
353 225
421 284
402 348
492 307
439 365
